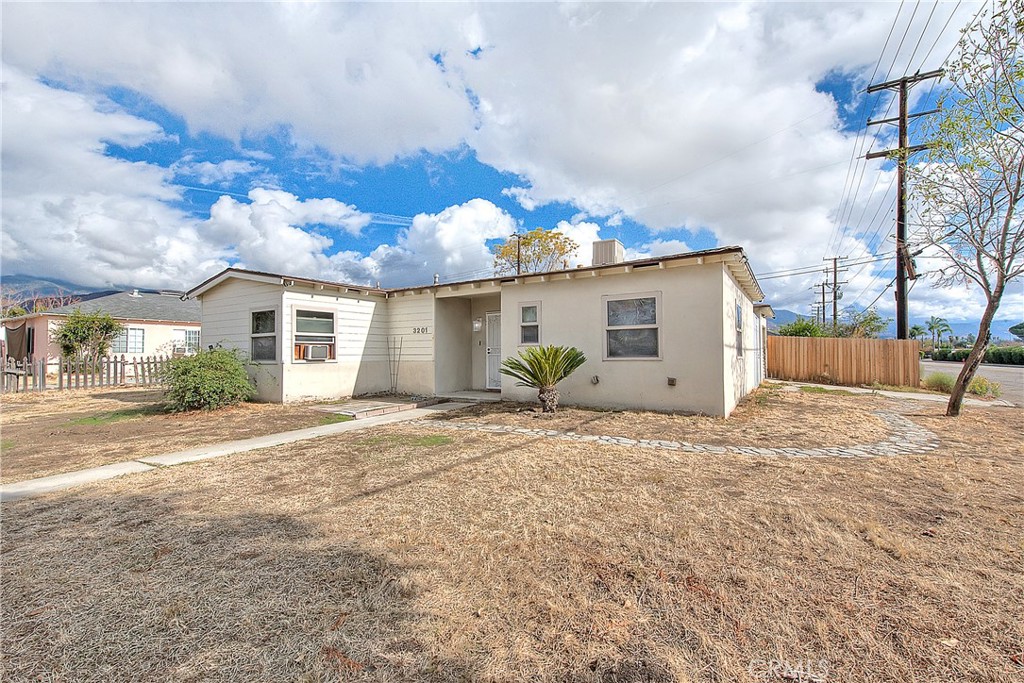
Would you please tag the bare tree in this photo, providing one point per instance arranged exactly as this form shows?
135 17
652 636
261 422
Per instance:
970 183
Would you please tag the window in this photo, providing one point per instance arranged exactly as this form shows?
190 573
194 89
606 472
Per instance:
131 340
631 327
191 341
314 335
739 330
30 340
264 336
529 323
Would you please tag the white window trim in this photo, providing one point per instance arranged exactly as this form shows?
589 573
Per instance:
521 324
656 295
127 341
276 333
295 334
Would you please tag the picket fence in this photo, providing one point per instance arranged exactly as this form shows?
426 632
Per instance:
68 373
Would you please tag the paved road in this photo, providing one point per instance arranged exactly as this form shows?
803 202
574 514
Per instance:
1011 378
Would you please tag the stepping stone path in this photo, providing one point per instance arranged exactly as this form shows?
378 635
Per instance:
906 438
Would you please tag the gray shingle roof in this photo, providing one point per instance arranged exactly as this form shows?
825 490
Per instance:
144 306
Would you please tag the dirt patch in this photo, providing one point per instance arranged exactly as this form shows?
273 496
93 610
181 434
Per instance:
387 555
769 417
44 434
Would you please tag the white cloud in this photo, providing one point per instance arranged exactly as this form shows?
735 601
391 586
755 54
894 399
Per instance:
209 173
697 115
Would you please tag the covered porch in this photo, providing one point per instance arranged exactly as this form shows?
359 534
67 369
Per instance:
467 342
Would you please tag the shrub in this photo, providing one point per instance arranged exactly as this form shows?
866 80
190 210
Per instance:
940 381
1005 355
208 380
982 386
802 327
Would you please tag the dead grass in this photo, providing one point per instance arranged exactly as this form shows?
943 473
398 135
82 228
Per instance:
770 416
504 558
56 432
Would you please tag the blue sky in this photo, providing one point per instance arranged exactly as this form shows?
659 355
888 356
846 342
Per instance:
151 146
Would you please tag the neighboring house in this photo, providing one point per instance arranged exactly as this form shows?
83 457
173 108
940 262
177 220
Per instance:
680 332
155 322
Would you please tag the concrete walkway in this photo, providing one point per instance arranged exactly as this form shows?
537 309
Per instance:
905 395
57 482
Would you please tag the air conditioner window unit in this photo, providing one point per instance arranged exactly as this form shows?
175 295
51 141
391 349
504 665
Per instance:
317 352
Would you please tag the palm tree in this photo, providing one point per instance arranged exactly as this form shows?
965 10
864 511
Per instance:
938 326
916 332
542 367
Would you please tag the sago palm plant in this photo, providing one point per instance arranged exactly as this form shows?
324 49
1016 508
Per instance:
542 367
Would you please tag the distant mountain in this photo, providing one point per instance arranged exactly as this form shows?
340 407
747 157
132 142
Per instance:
32 285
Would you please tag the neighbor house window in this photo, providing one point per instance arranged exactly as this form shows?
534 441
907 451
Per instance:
30 341
314 335
529 323
264 335
631 327
739 330
131 340
191 341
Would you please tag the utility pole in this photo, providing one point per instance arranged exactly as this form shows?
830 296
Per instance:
902 152
835 286
519 253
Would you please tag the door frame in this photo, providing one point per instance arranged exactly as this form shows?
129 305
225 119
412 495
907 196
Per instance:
487 349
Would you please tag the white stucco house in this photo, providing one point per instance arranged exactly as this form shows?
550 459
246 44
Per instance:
675 333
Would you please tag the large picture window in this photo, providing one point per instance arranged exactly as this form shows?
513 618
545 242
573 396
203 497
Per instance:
631 327
264 336
529 324
314 335
131 340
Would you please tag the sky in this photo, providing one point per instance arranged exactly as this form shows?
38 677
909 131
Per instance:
152 145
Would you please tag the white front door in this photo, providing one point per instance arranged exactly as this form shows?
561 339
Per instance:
493 350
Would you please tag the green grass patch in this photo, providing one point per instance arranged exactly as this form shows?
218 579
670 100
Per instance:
824 390
116 416
6 444
939 381
335 418
424 441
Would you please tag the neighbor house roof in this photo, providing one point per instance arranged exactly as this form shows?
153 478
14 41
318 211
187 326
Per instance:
734 258
142 305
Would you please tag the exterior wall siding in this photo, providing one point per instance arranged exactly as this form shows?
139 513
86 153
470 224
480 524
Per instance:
360 333
742 371
227 321
690 322
411 328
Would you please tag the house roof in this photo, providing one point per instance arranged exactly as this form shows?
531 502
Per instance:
146 305
274 279
733 256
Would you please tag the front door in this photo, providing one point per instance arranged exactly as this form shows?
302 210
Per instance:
493 350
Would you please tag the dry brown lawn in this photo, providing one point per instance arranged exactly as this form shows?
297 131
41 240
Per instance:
410 553
44 434
769 416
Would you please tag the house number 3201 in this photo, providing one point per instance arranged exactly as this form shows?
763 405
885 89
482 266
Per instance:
421 330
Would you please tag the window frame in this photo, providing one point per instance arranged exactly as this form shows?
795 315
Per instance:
262 335
296 335
606 328
126 335
522 324
739 329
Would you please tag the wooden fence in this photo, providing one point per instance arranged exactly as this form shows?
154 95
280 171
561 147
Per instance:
852 362
39 374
